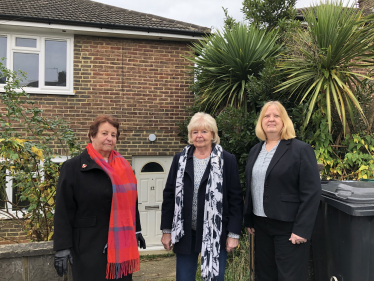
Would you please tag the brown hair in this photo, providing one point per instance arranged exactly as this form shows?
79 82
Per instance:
100 119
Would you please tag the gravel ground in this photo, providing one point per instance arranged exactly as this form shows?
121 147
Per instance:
160 269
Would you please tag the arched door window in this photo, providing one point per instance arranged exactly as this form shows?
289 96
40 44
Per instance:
152 167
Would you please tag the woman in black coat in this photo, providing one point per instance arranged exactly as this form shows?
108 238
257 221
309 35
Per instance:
283 193
202 203
84 205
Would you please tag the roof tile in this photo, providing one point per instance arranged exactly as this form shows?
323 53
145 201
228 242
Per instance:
85 11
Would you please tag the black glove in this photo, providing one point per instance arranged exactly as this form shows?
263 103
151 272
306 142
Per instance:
61 261
140 240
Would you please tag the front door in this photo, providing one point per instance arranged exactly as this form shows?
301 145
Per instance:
151 173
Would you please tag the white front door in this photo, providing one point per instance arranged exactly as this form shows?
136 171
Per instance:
151 173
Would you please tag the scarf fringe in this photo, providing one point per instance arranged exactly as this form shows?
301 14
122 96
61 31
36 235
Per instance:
117 270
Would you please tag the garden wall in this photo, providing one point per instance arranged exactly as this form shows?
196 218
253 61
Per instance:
29 262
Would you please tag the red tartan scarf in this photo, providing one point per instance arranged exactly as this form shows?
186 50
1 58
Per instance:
123 253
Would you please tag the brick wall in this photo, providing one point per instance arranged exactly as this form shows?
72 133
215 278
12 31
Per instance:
144 83
366 4
11 232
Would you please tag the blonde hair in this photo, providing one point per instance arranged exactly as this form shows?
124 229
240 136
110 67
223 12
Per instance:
288 130
202 120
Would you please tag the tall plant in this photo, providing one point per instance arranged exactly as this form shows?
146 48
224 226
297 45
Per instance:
327 59
26 158
224 63
268 13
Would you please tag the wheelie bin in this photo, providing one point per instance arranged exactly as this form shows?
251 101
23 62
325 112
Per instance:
343 236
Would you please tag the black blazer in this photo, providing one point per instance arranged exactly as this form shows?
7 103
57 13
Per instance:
292 186
232 201
81 222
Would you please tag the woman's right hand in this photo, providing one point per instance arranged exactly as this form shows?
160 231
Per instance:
166 241
251 230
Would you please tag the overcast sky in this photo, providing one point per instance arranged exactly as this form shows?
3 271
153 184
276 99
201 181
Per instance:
206 13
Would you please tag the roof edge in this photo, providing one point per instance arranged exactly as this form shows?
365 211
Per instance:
105 25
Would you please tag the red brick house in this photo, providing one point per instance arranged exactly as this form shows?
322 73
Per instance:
84 58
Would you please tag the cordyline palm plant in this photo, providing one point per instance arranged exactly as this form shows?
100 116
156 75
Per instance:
224 62
326 58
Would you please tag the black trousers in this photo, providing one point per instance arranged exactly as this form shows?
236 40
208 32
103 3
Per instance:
276 258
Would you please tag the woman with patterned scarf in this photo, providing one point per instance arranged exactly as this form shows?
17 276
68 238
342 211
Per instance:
97 220
203 203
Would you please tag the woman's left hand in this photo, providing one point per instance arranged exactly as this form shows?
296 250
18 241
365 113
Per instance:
297 239
231 244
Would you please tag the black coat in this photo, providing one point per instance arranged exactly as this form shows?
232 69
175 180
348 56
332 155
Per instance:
83 204
292 188
232 201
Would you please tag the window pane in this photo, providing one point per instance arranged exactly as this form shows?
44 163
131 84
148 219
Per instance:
152 167
17 190
55 63
3 195
3 50
25 42
28 63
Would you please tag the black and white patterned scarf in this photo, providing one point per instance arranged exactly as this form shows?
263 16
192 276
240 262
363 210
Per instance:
213 206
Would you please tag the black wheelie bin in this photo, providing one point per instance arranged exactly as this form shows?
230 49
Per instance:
343 236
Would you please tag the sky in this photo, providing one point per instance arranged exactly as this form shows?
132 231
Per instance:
207 13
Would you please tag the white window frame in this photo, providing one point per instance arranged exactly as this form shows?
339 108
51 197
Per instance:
40 50
9 184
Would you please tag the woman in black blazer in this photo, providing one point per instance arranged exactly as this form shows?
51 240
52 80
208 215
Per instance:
202 210
283 194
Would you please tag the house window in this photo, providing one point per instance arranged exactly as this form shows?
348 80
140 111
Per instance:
28 63
16 194
55 63
25 42
3 194
46 61
9 190
3 51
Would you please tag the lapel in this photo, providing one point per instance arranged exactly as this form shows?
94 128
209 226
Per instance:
189 164
252 160
87 163
281 150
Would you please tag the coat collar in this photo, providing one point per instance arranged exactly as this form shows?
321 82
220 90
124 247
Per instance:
87 163
281 149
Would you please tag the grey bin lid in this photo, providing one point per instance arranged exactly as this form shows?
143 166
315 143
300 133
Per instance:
352 197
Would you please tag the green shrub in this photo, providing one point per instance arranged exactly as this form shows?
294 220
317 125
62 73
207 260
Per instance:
25 149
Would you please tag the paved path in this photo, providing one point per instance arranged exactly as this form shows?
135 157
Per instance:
160 269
